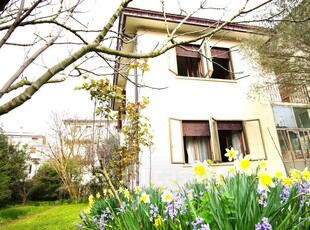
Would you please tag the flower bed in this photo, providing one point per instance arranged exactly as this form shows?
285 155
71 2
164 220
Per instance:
245 198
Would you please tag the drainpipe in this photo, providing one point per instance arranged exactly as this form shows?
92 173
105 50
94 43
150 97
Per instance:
137 180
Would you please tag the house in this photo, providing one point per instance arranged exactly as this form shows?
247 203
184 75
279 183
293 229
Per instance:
198 107
36 144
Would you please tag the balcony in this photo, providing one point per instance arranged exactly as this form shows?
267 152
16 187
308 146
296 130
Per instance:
289 93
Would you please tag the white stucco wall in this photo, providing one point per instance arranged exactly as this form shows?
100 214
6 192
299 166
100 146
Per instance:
196 99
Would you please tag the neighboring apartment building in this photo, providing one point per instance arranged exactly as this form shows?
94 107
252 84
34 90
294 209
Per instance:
200 107
36 144
88 138
291 107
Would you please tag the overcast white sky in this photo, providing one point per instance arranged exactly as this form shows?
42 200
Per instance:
34 115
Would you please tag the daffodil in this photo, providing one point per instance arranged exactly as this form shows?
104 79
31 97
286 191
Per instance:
166 196
279 175
305 174
287 181
200 171
244 164
144 198
231 170
295 174
265 180
137 190
127 193
87 210
91 201
231 153
262 164
158 222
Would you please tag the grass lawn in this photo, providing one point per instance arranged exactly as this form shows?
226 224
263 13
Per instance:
53 218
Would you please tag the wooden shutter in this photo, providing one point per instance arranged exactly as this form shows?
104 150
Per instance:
196 128
207 60
172 61
188 51
254 139
220 53
215 143
176 141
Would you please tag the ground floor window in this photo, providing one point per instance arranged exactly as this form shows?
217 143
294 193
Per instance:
192 141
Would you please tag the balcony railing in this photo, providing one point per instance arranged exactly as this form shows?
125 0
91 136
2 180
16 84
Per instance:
289 93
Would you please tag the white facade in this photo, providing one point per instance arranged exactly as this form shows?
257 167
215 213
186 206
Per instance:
36 145
185 111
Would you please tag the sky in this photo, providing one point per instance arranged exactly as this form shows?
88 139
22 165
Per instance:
35 115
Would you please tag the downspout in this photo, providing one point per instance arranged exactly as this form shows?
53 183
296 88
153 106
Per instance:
137 180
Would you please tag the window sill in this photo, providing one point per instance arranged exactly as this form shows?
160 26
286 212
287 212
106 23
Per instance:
213 165
206 79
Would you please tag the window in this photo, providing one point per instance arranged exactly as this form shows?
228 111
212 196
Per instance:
196 141
189 61
202 62
221 63
192 141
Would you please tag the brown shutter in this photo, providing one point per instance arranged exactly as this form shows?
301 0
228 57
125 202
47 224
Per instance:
229 125
220 53
196 128
189 51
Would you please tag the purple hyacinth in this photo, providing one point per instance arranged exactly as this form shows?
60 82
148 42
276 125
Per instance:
176 206
285 194
198 224
264 225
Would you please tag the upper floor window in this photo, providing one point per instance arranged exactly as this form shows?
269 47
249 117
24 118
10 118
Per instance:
203 62
221 63
189 61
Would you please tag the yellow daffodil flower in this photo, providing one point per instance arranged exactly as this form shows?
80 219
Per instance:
200 171
231 153
279 175
265 180
91 201
305 174
98 195
262 164
166 196
144 198
158 222
232 170
244 164
287 181
127 194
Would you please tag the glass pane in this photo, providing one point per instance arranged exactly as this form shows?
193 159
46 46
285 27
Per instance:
196 148
202 147
284 144
305 142
284 117
302 117
295 144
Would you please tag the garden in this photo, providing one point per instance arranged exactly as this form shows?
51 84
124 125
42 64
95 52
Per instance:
246 197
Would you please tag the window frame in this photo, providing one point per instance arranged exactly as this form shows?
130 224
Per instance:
207 65
250 140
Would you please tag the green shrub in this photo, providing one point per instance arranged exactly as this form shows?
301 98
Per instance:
13 213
